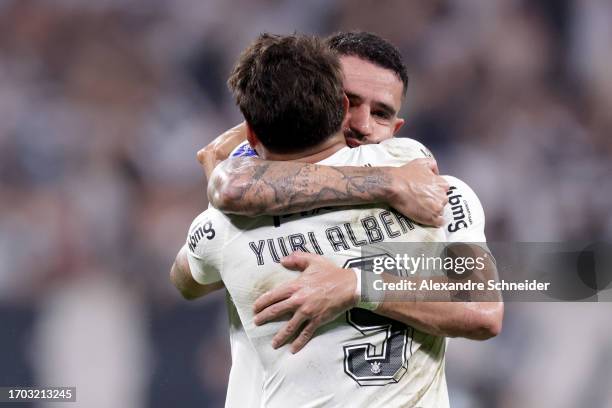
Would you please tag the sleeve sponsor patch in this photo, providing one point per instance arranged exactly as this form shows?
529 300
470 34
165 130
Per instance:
460 210
204 229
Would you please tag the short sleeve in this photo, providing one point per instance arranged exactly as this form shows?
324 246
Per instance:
398 151
204 248
403 146
464 219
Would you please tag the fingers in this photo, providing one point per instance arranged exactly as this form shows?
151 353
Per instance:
445 199
275 295
428 163
438 221
443 184
432 219
440 198
201 155
433 214
305 335
297 261
274 311
288 330
438 215
433 165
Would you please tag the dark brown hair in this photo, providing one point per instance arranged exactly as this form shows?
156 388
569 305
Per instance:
372 48
289 89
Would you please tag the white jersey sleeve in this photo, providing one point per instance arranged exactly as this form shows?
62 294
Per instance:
204 246
404 150
464 219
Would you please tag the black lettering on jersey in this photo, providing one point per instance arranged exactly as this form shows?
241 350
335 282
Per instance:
469 213
281 245
404 222
194 239
454 200
258 250
456 226
351 235
373 230
336 239
385 218
426 153
273 252
204 230
315 244
458 213
297 241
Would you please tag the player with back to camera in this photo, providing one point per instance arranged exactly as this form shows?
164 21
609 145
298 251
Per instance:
373 55
414 189
375 80
243 293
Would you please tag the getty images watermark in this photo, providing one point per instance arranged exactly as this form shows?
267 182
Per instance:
486 272
458 265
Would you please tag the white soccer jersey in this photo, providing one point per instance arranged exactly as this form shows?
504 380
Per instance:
359 359
245 382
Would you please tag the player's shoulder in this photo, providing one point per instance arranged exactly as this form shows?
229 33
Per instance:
464 213
210 214
206 229
396 151
404 145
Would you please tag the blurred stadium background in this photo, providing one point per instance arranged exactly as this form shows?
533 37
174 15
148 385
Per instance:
103 105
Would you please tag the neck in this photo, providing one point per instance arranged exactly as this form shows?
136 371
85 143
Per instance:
314 154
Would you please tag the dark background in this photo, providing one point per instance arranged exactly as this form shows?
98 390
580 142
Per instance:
103 105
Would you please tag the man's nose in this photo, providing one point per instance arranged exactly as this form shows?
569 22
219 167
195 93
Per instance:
360 120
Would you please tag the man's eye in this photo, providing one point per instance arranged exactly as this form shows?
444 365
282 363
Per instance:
381 114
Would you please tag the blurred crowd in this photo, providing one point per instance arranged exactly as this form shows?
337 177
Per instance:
103 105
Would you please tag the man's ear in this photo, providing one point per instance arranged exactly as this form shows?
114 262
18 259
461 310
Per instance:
399 122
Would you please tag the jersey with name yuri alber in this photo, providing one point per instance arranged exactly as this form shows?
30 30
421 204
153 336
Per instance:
359 359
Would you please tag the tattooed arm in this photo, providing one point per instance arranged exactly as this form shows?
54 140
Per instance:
253 187
181 277
220 148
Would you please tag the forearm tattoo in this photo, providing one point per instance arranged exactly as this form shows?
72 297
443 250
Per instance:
255 187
